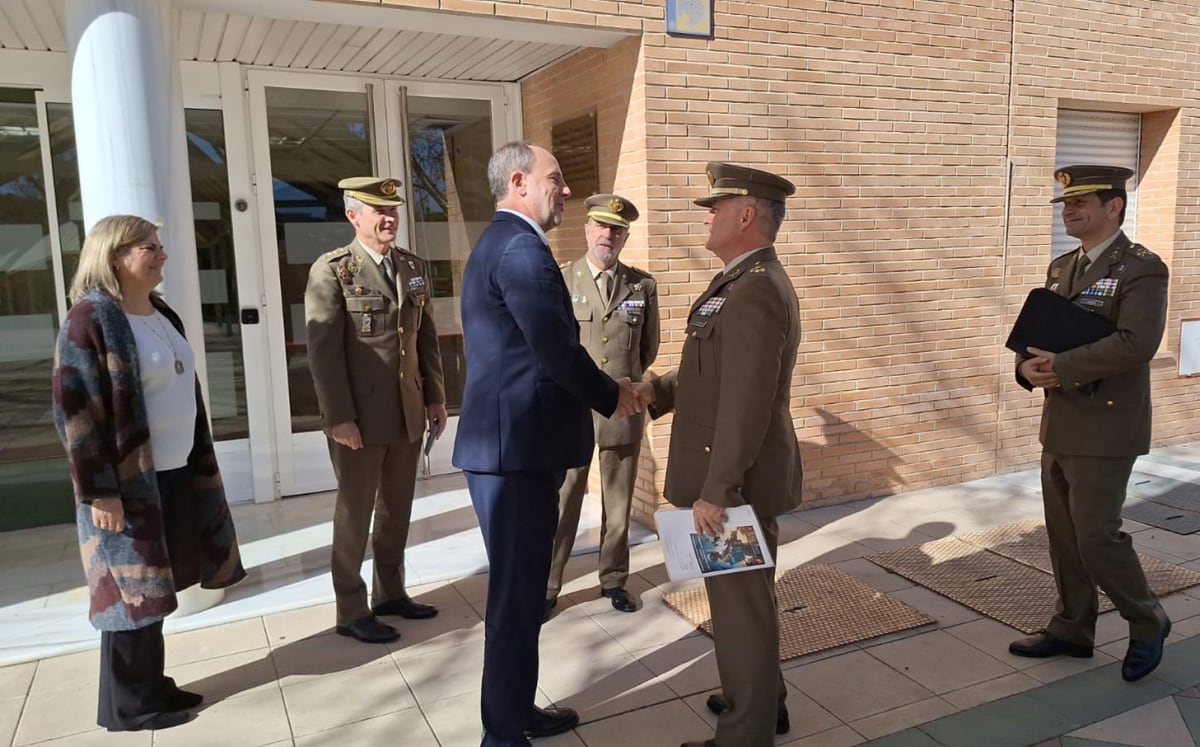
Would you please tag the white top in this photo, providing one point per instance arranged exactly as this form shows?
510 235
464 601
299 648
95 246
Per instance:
170 396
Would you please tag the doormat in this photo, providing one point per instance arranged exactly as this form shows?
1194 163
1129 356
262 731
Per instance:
1164 503
1004 573
820 607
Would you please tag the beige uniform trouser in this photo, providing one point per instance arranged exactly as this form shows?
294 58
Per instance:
377 478
1083 497
745 623
618 471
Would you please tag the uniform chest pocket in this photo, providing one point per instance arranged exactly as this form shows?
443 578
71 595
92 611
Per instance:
367 314
700 348
583 312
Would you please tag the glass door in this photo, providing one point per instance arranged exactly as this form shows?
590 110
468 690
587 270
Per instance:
308 132
311 130
451 135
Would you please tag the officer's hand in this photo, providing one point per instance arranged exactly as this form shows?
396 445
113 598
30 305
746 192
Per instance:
347 435
1039 370
108 514
644 391
435 416
628 403
709 518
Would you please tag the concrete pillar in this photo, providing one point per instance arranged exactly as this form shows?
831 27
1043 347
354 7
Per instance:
131 145
127 99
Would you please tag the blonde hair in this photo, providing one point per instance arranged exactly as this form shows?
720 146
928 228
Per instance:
110 238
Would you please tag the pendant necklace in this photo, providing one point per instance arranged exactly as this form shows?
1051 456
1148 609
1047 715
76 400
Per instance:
165 336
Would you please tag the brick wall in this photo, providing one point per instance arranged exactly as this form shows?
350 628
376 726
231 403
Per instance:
921 135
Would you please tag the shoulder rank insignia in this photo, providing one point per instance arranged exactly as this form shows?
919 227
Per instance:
636 287
757 269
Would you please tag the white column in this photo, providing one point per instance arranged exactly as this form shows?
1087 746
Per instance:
127 98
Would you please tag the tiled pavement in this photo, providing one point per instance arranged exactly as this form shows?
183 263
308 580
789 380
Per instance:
641 679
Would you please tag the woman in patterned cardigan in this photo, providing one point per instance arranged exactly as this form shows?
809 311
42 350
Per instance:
149 504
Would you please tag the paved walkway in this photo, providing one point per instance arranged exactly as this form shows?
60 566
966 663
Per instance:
641 679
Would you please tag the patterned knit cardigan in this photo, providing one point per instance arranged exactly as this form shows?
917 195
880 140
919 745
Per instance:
100 414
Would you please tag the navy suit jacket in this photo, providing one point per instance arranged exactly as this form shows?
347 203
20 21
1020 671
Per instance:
530 384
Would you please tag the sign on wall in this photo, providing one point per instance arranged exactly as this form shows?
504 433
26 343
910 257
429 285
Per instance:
690 18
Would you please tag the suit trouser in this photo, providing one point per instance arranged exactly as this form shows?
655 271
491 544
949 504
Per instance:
746 638
518 513
378 477
132 684
1083 498
618 471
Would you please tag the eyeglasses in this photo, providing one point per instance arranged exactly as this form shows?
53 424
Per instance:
146 249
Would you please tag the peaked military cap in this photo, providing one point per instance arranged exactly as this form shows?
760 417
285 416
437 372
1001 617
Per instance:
1082 180
731 180
373 190
611 209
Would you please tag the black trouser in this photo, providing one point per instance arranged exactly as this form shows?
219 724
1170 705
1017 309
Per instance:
132 684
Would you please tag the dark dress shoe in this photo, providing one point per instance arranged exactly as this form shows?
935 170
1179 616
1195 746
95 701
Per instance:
547 722
548 607
1143 657
705 743
620 599
182 700
369 630
1044 645
405 608
161 721
783 723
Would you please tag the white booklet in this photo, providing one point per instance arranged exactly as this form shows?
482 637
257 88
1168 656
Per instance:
690 554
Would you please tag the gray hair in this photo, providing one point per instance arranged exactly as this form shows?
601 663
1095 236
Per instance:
352 203
769 214
510 157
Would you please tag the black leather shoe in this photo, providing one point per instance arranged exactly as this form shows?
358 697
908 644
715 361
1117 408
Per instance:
621 600
182 700
369 630
705 743
1143 656
405 608
783 723
548 607
547 722
161 721
1044 645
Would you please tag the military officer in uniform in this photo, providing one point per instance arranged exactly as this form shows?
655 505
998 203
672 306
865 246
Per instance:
617 309
1096 421
376 366
732 439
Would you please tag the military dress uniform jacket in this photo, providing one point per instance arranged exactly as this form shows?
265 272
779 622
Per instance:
373 351
1103 406
621 336
732 440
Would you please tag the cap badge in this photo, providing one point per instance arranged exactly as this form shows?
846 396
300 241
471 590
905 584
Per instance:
616 205
1064 178
388 188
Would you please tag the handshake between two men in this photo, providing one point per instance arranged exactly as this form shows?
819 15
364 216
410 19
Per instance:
636 396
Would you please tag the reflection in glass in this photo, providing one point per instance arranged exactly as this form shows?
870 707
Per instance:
450 143
314 142
34 483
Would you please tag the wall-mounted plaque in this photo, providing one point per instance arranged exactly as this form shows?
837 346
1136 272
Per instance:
574 145
690 18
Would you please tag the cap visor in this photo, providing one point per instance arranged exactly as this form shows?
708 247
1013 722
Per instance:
382 201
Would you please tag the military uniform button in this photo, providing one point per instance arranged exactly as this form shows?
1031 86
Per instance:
707 449
402 330
606 318
1110 403
603 339
403 352
402 374
604 360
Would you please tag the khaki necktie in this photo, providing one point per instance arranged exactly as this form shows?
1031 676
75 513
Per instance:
389 272
606 287
1081 266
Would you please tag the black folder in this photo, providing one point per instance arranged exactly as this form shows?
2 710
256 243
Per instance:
1050 322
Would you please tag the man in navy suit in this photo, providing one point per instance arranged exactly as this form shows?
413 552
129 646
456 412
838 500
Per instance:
525 420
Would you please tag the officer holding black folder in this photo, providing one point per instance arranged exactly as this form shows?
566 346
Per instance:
1096 421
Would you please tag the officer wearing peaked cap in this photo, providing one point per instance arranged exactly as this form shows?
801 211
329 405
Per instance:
377 370
733 441
616 307
1096 421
